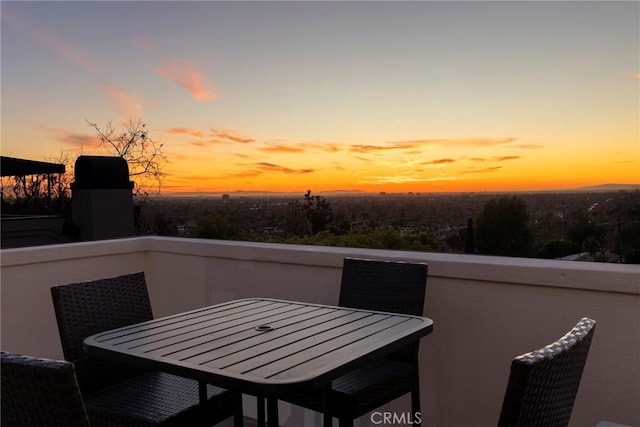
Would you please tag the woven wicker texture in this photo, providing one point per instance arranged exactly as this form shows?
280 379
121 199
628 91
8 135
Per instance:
383 286
40 393
156 398
84 309
543 384
119 394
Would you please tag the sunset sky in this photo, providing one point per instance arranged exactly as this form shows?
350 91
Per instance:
377 96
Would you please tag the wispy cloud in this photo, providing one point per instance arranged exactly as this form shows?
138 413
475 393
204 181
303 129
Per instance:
201 143
438 162
277 168
230 135
377 148
74 141
454 142
392 179
244 174
317 146
126 103
301 147
495 158
178 70
185 74
67 50
527 146
363 159
412 177
282 148
184 131
479 171
635 75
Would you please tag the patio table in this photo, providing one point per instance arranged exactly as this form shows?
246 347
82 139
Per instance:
260 346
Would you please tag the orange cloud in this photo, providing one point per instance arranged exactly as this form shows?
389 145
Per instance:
185 74
200 143
363 159
472 142
438 162
486 170
277 168
126 103
375 148
495 159
184 131
329 146
244 174
281 148
231 136
528 146
76 141
633 74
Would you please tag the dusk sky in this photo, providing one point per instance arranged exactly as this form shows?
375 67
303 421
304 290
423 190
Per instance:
377 96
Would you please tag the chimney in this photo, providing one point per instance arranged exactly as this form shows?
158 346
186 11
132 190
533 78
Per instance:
102 198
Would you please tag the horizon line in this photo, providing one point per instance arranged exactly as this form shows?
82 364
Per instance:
600 187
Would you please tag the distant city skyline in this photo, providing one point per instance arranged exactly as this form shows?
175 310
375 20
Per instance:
371 96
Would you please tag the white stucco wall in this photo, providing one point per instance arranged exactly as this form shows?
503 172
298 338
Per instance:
486 311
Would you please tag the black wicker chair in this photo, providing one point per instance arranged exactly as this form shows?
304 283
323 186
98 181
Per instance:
384 286
120 394
40 392
543 384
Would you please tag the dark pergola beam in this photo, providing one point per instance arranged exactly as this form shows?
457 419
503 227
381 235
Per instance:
10 166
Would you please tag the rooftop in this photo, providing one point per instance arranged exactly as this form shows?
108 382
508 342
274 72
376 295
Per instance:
486 311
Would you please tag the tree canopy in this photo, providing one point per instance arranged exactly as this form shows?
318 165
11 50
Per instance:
502 228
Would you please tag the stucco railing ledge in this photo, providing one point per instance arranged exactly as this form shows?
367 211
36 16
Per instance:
52 253
604 277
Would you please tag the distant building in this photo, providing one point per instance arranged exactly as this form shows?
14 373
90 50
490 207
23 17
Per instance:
226 198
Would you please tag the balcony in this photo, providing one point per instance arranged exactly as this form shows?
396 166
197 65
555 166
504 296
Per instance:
486 311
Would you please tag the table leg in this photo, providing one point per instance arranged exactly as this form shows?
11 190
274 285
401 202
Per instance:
202 394
327 419
260 409
272 412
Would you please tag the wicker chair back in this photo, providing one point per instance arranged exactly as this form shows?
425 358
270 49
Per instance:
84 309
40 392
543 384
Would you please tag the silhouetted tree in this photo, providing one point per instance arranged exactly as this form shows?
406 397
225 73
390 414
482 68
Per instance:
626 241
144 155
39 193
311 216
214 226
583 229
502 228
297 223
378 238
318 211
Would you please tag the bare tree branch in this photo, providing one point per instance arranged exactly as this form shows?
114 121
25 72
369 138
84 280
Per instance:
145 156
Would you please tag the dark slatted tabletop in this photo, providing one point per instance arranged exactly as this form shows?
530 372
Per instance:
261 346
